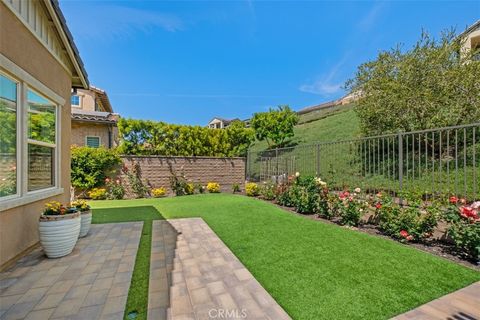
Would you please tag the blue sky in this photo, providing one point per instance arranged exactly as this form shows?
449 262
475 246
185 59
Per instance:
188 61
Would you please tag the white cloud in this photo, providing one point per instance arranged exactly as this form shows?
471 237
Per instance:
321 87
109 21
326 84
371 17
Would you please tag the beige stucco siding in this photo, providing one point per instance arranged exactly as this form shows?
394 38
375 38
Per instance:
18 226
80 130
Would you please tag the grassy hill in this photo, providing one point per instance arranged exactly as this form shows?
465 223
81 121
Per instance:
337 123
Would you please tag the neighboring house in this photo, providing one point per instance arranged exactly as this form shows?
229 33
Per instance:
39 66
220 123
471 36
93 122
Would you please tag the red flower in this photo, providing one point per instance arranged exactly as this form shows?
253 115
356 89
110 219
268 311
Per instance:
344 195
468 213
378 205
453 200
404 234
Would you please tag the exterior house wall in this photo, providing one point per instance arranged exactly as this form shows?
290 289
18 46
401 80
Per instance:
87 100
157 170
19 225
80 130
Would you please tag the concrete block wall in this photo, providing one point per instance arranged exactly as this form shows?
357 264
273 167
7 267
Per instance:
157 170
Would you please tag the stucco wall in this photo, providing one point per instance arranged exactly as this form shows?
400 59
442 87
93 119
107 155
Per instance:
80 130
156 170
18 226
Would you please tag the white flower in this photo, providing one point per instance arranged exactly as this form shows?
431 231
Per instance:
358 190
297 174
361 210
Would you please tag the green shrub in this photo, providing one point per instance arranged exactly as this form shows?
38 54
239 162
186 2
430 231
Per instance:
351 208
115 189
267 191
306 194
466 236
134 176
236 188
286 195
179 184
90 166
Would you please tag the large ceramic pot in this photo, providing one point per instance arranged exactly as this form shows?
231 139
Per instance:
86 217
59 233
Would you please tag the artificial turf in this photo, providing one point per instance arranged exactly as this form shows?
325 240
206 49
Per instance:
313 270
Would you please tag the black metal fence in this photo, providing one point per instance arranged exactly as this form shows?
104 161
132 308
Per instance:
433 163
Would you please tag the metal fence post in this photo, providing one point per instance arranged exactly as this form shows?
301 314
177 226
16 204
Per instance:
276 164
317 159
400 164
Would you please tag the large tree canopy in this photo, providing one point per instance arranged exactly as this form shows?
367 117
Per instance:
146 137
434 84
274 126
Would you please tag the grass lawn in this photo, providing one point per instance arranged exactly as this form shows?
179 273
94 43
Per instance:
312 269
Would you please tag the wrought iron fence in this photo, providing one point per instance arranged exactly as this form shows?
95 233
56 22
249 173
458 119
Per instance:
433 163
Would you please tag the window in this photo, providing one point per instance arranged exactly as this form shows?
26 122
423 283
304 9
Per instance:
29 139
75 101
41 142
8 136
93 142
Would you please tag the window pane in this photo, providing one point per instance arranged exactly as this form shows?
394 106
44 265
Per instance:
75 100
41 118
41 167
93 142
8 137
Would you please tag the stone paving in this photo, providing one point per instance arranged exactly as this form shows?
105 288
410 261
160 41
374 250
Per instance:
193 275
463 304
90 283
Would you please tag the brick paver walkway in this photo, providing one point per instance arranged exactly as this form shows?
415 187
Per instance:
193 275
90 283
463 304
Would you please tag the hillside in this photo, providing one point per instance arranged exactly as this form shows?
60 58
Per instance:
322 125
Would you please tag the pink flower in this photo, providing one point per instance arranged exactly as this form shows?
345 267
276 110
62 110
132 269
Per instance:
404 234
117 181
107 179
409 238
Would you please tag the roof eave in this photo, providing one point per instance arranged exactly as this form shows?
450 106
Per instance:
80 81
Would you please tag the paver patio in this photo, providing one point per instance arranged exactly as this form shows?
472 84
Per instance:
193 275
90 283
463 304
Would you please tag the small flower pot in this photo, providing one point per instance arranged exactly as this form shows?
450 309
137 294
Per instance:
59 233
86 221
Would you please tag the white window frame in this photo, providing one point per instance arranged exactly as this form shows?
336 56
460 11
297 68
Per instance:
89 136
24 82
79 101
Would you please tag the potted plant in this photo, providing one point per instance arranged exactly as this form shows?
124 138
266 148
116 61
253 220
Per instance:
85 214
59 228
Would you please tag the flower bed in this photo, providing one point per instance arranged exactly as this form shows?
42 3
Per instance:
452 224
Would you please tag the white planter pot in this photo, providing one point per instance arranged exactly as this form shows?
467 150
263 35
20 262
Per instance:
86 218
59 234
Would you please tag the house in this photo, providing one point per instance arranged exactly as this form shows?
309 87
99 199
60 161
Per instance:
471 38
39 66
93 122
220 123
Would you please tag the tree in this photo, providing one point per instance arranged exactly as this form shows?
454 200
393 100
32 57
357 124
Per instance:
274 126
145 137
435 84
